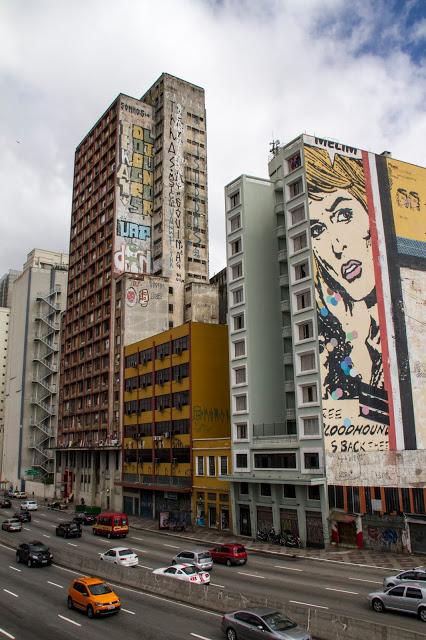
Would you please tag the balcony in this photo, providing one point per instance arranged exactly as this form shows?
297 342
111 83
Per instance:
285 305
290 414
284 280
289 386
288 358
279 184
280 231
282 255
286 332
273 429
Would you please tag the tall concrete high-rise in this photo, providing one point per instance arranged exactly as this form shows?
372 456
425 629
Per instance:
6 284
31 396
138 265
4 339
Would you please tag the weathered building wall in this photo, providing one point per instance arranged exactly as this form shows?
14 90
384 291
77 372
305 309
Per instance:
145 307
201 303
381 468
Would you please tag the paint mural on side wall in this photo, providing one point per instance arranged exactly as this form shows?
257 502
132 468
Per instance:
145 307
355 398
134 189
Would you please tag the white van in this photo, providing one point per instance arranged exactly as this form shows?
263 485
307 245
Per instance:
29 505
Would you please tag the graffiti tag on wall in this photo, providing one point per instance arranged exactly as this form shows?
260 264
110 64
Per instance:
175 191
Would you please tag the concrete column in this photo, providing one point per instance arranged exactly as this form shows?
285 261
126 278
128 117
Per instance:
253 510
301 514
235 513
324 513
276 496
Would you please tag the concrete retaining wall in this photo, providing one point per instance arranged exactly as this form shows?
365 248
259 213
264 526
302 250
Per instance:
323 625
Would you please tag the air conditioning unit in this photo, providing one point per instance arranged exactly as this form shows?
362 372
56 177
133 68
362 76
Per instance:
178 350
161 356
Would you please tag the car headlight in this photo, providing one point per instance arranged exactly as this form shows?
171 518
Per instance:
34 556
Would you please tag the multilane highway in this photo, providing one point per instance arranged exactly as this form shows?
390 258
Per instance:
325 585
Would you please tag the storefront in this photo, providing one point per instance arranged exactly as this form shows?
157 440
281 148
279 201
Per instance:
416 525
346 529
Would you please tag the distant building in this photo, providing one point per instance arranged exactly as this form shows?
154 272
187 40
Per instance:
176 425
220 280
6 284
31 403
4 339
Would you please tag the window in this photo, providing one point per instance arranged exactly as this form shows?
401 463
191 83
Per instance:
237 295
305 330
239 348
241 460
314 493
295 188
311 460
265 490
241 403
301 270
284 460
236 246
307 361
391 499
145 356
240 375
244 488
180 344
294 162
303 300
419 503
241 430
300 242
162 350
310 426
309 394
412 592
396 591
235 222
289 491
212 466
234 199
200 466
238 322
223 465
297 215
131 361
237 270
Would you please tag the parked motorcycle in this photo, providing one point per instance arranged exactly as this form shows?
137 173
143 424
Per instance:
290 539
262 535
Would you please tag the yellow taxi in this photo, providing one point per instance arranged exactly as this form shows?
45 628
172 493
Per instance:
93 596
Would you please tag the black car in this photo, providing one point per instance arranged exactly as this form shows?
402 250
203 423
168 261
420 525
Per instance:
69 530
5 503
22 516
34 553
84 518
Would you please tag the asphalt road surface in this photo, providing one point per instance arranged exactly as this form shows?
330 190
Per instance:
328 585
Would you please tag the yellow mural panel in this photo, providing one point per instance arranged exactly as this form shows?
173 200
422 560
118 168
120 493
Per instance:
137 160
408 196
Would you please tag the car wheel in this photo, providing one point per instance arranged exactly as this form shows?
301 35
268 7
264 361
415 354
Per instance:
70 603
228 563
422 614
29 562
90 612
18 558
378 605
231 634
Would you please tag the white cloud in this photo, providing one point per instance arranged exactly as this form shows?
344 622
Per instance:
270 69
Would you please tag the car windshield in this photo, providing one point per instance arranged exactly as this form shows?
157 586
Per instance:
38 547
125 552
239 550
278 622
99 589
189 570
204 556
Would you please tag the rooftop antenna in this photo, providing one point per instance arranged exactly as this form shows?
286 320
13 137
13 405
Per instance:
275 145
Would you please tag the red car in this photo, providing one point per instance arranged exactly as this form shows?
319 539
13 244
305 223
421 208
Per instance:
229 554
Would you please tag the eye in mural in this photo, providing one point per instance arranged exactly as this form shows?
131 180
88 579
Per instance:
345 292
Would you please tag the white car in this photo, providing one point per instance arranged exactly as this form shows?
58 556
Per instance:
29 505
187 572
121 555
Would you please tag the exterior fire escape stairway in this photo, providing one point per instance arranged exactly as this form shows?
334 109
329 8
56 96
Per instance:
43 400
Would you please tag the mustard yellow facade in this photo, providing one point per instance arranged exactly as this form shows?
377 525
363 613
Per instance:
176 392
211 495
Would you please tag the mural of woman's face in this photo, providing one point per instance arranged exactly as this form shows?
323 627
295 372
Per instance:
340 231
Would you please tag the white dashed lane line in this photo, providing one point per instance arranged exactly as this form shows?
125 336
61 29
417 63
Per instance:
195 635
221 586
77 624
15 595
308 604
172 546
37 521
364 580
281 566
6 634
14 568
27 528
142 566
251 575
72 544
352 593
54 584
127 611
45 535
134 538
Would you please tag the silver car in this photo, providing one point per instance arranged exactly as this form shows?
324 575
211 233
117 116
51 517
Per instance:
418 574
253 623
408 598
201 559
11 524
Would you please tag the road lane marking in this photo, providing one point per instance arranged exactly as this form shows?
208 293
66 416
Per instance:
5 547
138 549
55 585
308 604
77 624
14 568
76 573
44 515
352 593
8 635
221 586
15 595
72 544
363 580
27 528
195 635
172 546
142 566
354 564
38 521
281 566
134 538
127 611
45 535
252 575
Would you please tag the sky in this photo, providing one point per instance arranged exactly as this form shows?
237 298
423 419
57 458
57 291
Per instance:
272 69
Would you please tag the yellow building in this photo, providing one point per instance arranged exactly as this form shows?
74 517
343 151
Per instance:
176 398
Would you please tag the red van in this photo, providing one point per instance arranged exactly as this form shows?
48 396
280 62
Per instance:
111 524
229 554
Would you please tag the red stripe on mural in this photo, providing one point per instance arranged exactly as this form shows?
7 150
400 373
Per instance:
380 301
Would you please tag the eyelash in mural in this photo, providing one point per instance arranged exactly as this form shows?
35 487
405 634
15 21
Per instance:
317 228
344 215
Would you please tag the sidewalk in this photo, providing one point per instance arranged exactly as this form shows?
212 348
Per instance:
350 556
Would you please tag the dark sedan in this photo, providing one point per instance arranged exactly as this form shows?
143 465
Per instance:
23 516
34 553
69 530
261 623
5 503
84 518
